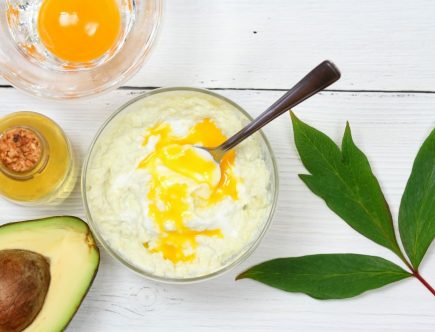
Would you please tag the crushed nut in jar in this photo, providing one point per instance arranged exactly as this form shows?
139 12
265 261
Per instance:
20 150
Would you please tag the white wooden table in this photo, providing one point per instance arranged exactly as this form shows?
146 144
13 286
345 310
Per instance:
251 51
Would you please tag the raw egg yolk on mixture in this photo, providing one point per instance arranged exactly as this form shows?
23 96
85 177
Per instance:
171 202
79 30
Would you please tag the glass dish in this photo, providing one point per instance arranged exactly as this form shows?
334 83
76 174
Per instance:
241 256
29 66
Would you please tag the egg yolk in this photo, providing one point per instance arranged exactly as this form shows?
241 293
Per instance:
79 30
170 202
187 161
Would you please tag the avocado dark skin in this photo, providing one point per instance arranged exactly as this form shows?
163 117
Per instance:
24 283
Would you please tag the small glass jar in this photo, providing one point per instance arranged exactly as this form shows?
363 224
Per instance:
36 160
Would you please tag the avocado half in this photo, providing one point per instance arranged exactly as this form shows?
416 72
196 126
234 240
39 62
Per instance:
68 245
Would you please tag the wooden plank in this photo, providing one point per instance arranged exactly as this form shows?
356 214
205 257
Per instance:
388 127
379 45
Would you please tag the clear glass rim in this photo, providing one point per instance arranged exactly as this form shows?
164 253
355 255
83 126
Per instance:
134 268
26 86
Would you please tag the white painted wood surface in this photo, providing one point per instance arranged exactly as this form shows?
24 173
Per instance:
389 127
384 45
378 45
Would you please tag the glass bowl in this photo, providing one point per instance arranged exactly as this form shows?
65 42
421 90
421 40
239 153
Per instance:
29 66
267 155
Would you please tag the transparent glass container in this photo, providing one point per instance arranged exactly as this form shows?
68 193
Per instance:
29 66
241 256
53 176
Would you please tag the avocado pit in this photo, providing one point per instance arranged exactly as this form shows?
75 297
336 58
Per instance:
24 283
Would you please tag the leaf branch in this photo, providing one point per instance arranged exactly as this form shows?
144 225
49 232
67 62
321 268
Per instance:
417 275
345 181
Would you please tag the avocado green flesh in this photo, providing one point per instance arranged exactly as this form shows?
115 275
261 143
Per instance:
74 259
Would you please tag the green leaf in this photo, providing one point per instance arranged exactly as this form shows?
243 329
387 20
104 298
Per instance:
329 276
417 208
346 182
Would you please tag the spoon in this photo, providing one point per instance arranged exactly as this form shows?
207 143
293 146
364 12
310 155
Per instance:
316 80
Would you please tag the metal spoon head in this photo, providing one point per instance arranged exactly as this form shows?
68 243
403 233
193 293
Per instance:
217 153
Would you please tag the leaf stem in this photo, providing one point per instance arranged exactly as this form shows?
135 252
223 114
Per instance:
416 274
424 282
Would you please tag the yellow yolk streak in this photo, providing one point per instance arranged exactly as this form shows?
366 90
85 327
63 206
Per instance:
186 161
170 203
79 30
12 14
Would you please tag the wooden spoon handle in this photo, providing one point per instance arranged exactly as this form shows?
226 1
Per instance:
316 80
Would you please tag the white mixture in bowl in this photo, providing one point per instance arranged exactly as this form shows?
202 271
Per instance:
166 207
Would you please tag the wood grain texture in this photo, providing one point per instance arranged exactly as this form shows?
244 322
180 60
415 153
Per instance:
389 127
384 45
378 45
